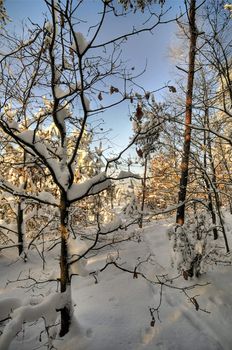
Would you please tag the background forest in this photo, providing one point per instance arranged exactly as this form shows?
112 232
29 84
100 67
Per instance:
104 244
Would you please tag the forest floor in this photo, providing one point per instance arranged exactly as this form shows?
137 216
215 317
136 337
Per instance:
115 312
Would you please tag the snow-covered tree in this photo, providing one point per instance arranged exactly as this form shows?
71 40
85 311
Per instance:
3 14
140 4
55 80
148 122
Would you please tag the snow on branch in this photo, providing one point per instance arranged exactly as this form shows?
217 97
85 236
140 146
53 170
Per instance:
90 187
29 139
127 174
43 197
47 310
80 43
47 197
95 185
112 226
8 304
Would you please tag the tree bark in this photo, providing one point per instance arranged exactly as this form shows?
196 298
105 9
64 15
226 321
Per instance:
180 217
20 230
207 149
65 282
216 195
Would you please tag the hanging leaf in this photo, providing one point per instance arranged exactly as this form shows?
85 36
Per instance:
139 152
113 90
139 112
71 51
61 20
147 95
172 88
152 324
185 275
100 96
195 303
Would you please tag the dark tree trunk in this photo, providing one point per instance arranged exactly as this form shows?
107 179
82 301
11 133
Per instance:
65 282
20 228
211 208
180 217
216 195
207 148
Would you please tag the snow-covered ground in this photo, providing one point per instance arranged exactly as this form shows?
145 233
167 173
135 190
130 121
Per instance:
115 312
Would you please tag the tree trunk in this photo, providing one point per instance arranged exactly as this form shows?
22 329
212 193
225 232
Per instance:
211 209
65 283
21 218
144 189
207 149
188 115
216 195
20 228
227 168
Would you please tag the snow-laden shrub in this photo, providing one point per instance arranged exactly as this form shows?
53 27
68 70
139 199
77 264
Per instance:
194 247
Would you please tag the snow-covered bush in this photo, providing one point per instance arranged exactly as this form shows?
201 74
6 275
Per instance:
194 248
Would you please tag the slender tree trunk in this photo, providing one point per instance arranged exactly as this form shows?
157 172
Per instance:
20 216
20 228
211 209
212 183
144 189
65 282
180 217
226 165
216 194
207 149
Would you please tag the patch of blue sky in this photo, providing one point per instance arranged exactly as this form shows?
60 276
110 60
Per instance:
148 50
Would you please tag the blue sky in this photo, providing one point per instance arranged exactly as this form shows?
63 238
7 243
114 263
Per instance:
149 48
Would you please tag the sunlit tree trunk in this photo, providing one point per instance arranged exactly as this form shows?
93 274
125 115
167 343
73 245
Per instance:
180 217
228 172
144 191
